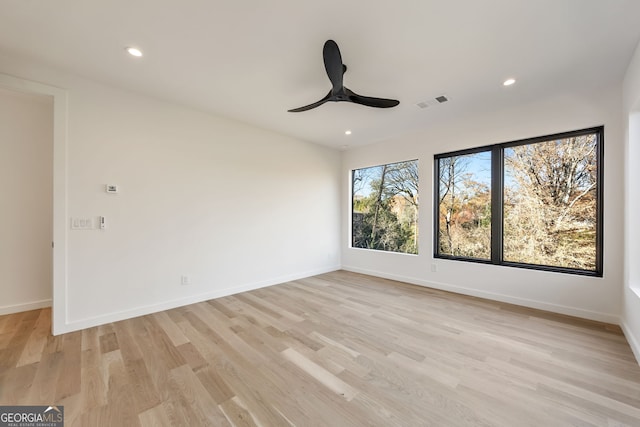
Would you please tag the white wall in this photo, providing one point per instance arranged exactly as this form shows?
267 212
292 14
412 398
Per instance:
230 205
236 207
26 230
589 297
631 115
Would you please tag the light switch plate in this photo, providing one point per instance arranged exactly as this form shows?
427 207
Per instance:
82 224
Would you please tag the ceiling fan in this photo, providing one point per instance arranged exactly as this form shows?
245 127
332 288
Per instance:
335 70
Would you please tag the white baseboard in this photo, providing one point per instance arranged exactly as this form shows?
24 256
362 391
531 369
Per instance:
192 299
17 308
540 305
634 343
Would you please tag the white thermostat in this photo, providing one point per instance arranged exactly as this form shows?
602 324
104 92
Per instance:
111 188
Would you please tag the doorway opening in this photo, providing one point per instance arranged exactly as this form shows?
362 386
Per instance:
46 181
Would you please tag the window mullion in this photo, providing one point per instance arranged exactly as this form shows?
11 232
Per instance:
497 210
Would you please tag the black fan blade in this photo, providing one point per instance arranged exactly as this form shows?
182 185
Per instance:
335 70
333 64
369 101
310 106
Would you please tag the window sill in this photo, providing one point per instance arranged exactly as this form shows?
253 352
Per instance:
380 251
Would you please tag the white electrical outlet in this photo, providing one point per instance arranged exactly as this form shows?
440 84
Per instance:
111 188
185 280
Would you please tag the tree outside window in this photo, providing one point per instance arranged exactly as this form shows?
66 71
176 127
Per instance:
535 203
465 205
385 207
550 202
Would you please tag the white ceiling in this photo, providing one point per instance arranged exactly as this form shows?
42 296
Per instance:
253 60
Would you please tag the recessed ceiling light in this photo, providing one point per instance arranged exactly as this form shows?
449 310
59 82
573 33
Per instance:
509 82
134 51
347 132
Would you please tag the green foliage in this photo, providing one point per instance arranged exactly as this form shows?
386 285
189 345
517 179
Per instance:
385 208
465 207
549 206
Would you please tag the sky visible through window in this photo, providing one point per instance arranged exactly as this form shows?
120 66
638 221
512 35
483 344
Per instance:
548 207
385 207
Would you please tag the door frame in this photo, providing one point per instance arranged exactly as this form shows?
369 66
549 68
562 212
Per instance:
60 208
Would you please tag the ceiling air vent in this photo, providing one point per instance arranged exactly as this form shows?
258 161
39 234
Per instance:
433 101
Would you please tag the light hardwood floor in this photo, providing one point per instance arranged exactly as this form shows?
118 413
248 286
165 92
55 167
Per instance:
340 349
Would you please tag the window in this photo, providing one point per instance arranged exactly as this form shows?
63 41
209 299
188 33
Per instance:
385 207
465 205
535 203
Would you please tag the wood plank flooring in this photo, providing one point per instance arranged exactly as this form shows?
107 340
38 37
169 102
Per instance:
340 349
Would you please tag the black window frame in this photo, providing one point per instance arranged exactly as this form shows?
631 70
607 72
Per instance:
497 206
